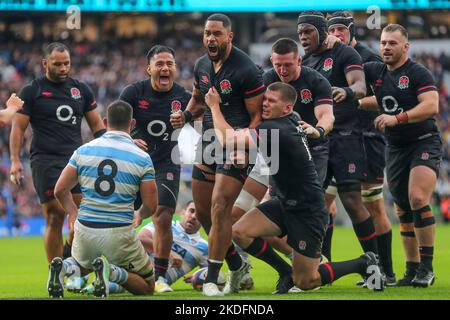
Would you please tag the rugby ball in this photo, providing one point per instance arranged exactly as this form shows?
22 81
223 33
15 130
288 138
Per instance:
199 276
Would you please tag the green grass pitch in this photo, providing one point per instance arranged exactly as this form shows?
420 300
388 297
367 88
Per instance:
23 274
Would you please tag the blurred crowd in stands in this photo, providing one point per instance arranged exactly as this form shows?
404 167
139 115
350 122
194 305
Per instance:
109 66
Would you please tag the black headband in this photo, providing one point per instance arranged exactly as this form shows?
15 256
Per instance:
344 21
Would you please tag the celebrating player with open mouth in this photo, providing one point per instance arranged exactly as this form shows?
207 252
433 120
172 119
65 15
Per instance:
216 183
153 101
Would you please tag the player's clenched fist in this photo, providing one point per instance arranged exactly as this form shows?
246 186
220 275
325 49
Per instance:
212 98
177 120
14 102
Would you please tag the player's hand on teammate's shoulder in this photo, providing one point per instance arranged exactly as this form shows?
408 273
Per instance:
385 120
141 144
339 94
177 120
309 130
175 259
331 41
212 98
14 102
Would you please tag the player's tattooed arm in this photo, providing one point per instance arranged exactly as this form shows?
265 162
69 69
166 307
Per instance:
254 109
194 109
19 126
224 132
66 182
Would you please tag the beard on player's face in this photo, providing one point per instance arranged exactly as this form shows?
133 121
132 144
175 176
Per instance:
217 52
56 76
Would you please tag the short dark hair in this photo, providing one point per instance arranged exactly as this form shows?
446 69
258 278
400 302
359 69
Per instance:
284 46
119 114
288 93
220 17
188 203
58 46
159 49
396 27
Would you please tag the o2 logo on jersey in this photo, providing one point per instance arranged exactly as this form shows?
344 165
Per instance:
390 105
65 113
328 64
225 86
75 93
158 128
403 82
306 96
175 106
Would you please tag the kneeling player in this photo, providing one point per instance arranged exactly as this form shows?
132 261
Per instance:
299 208
110 170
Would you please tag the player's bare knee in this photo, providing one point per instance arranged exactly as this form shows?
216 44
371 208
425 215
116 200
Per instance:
239 234
54 220
418 200
219 208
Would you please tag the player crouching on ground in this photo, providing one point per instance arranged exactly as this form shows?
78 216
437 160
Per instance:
299 208
110 169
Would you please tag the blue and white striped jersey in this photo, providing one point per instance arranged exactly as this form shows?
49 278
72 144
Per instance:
191 247
110 170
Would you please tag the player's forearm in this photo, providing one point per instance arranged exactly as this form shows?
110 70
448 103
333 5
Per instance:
359 88
368 103
326 120
326 124
6 115
196 107
15 143
64 196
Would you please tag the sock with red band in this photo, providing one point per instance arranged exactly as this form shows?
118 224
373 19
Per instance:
332 271
260 249
233 258
161 266
365 231
426 256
